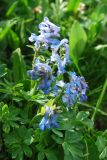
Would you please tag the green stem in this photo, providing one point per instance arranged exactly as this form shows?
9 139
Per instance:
33 63
87 151
33 85
99 100
33 88
33 82
93 108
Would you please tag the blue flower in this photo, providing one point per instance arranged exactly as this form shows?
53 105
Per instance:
57 88
49 120
55 56
40 70
45 85
32 74
48 38
49 27
75 90
44 72
33 37
48 34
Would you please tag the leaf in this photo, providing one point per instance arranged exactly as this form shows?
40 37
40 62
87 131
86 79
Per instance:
92 149
6 28
78 39
68 157
74 150
17 153
19 67
13 39
50 155
101 143
103 155
73 5
41 156
18 141
82 117
22 32
73 136
58 133
27 150
57 139
9 117
50 103
20 154
11 8
6 128
3 70
88 123
100 46
5 110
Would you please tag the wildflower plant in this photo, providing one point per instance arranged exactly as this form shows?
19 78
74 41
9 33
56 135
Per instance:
47 110
42 119
50 73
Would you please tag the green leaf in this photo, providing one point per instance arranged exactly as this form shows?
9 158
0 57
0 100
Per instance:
41 156
19 67
20 154
103 155
50 155
13 39
68 157
27 150
6 28
82 117
5 110
9 117
3 70
10 139
101 143
78 39
73 5
74 150
11 8
58 133
73 136
18 141
17 153
57 139
6 128
93 153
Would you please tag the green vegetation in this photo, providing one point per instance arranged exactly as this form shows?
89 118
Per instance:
82 132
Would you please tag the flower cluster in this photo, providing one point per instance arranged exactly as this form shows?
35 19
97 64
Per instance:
75 90
48 38
48 35
72 91
40 70
49 120
43 72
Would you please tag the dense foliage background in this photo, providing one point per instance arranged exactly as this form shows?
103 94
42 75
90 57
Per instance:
84 23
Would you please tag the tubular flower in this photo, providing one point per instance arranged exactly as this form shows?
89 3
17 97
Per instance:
49 120
48 38
75 90
40 70
48 34
44 72
45 85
